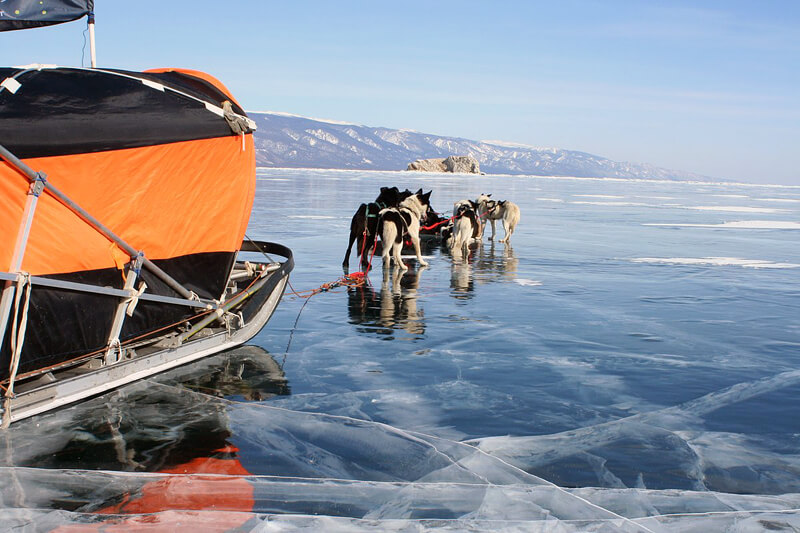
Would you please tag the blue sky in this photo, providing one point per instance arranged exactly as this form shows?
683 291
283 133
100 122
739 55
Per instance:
709 87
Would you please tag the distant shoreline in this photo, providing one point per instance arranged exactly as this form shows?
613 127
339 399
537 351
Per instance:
417 175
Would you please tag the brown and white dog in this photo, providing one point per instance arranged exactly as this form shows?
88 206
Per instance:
493 210
397 223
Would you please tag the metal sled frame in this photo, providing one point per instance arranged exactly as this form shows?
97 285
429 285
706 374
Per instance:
253 291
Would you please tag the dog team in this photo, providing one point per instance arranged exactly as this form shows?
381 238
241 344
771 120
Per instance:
397 217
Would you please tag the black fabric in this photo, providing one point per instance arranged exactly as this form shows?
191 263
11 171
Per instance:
22 14
69 111
64 324
197 87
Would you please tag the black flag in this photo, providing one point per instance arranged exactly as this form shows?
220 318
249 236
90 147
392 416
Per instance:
22 14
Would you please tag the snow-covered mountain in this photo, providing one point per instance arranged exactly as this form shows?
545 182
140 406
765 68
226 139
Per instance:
284 140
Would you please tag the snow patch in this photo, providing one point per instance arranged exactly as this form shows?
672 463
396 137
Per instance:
616 204
735 209
714 261
323 136
742 224
528 282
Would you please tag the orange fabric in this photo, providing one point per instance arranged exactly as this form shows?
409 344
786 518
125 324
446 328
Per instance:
227 493
167 200
227 490
198 74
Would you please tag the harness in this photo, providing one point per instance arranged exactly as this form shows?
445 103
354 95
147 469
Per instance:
380 207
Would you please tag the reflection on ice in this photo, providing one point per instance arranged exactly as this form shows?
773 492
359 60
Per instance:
548 387
391 308
363 475
484 264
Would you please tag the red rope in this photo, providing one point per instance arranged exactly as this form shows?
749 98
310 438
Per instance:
452 218
438 223
361 259
356 279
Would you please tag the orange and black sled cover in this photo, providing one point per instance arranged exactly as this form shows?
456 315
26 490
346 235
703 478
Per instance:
152 158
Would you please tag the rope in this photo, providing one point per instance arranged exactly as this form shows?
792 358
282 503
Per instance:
356 279
453 218
439 223
18 327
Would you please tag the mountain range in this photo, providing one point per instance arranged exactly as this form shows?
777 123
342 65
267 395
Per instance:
284 140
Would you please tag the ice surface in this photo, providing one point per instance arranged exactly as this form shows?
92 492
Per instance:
583 379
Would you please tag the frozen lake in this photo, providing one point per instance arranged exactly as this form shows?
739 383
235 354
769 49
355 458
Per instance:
630 362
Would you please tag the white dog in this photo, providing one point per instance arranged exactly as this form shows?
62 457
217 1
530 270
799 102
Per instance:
493 210
396 223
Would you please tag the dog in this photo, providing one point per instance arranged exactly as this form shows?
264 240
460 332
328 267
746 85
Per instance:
493 210
364 224
396 223
446 230
466 227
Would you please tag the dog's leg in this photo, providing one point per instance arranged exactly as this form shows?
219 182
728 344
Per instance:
387 241
418 250
397 248
346 261
372 229
510 219
508 230
353 236
493 229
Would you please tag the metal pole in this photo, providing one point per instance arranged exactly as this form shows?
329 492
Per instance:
96 224
36 187
92 50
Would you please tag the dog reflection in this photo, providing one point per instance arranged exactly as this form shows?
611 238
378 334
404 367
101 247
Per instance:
483 264
502 263
392 308
461 280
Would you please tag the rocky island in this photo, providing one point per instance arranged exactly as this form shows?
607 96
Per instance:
461 164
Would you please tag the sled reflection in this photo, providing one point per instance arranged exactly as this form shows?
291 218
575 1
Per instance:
157 425
392 308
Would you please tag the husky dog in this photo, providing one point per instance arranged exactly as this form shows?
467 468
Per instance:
446 231
395 223
363 226
504 210
469 203
466 227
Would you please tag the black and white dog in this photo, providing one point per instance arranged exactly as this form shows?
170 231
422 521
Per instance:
446 231
363 226
493 210
396 223
466 227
